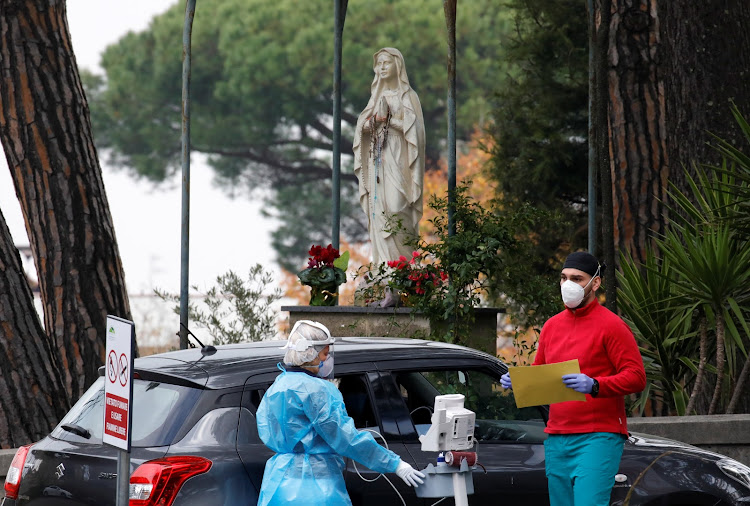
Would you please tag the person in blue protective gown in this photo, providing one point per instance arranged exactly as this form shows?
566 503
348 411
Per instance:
303 419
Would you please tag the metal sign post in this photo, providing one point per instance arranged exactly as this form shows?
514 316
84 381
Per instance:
118 398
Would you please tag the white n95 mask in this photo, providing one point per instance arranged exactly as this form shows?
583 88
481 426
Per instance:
573 293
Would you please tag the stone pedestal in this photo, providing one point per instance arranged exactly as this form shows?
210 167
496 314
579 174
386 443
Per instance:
356 321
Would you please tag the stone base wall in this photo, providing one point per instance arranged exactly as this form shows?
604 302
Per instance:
725 434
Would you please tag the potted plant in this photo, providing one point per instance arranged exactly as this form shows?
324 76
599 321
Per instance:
326 270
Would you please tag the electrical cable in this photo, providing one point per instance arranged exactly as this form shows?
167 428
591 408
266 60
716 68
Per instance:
476 450
373 431
439 501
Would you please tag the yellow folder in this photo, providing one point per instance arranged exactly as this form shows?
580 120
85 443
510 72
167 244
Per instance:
542 384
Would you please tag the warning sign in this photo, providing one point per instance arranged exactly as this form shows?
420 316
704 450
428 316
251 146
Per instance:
118 385
116 416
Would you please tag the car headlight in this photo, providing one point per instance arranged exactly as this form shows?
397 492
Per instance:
735 470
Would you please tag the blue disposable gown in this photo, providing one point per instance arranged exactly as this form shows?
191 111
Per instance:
303 419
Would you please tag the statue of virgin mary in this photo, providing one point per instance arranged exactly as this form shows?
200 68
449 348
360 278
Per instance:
389 157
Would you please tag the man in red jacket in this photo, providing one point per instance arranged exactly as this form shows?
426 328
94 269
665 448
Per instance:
586 439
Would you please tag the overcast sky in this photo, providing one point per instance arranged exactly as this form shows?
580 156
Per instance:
224 233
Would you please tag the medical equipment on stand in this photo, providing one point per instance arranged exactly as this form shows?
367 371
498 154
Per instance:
452 429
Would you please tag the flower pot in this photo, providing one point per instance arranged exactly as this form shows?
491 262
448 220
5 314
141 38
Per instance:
324 283
324 295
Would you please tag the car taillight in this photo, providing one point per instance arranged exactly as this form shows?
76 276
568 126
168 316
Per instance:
15 472
156 482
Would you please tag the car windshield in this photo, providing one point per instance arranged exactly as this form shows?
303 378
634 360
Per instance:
158 410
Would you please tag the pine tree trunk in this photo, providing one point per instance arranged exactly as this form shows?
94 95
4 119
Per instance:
639 162
46 133
32 397
705 63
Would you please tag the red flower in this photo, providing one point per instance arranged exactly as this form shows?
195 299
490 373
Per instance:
322 257
413 277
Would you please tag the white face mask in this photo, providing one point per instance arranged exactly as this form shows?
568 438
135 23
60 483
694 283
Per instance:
573 293
325 369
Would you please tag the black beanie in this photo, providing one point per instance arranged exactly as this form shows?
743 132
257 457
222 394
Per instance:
582 261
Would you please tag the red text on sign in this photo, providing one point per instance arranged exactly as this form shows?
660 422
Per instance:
116 416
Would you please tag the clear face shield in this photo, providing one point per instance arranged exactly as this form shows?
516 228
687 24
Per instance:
315 347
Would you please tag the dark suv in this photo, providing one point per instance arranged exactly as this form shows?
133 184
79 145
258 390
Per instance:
195 441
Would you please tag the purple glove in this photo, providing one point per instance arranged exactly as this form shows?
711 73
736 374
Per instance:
505 381
578 382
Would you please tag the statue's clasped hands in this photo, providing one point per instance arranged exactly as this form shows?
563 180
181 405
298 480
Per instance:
378 120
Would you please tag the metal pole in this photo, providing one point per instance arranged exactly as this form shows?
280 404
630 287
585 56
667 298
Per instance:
604 170
449 6
185 242
460 494
339 16
592 134
123 478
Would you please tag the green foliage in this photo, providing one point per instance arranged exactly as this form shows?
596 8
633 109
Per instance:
529 286
647 300
488 255
342 262
540 128
711 262
739 213
236 310
324 276
541 119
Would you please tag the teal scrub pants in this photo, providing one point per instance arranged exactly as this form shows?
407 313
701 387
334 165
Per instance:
581 468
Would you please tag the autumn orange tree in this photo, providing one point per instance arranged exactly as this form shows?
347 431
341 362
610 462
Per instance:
471 167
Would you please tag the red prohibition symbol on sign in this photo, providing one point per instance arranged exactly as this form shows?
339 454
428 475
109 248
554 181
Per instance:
112 366
123 370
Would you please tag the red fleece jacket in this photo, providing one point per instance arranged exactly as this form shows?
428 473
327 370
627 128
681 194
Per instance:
606 351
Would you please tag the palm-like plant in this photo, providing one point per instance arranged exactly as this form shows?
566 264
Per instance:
709 257
662 325
740 215
712 277
740 171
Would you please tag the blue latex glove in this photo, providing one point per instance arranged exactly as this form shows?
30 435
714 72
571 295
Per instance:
578 382
505 381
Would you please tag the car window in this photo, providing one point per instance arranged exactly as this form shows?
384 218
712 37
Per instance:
357 401
158 411
354 391
497 417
